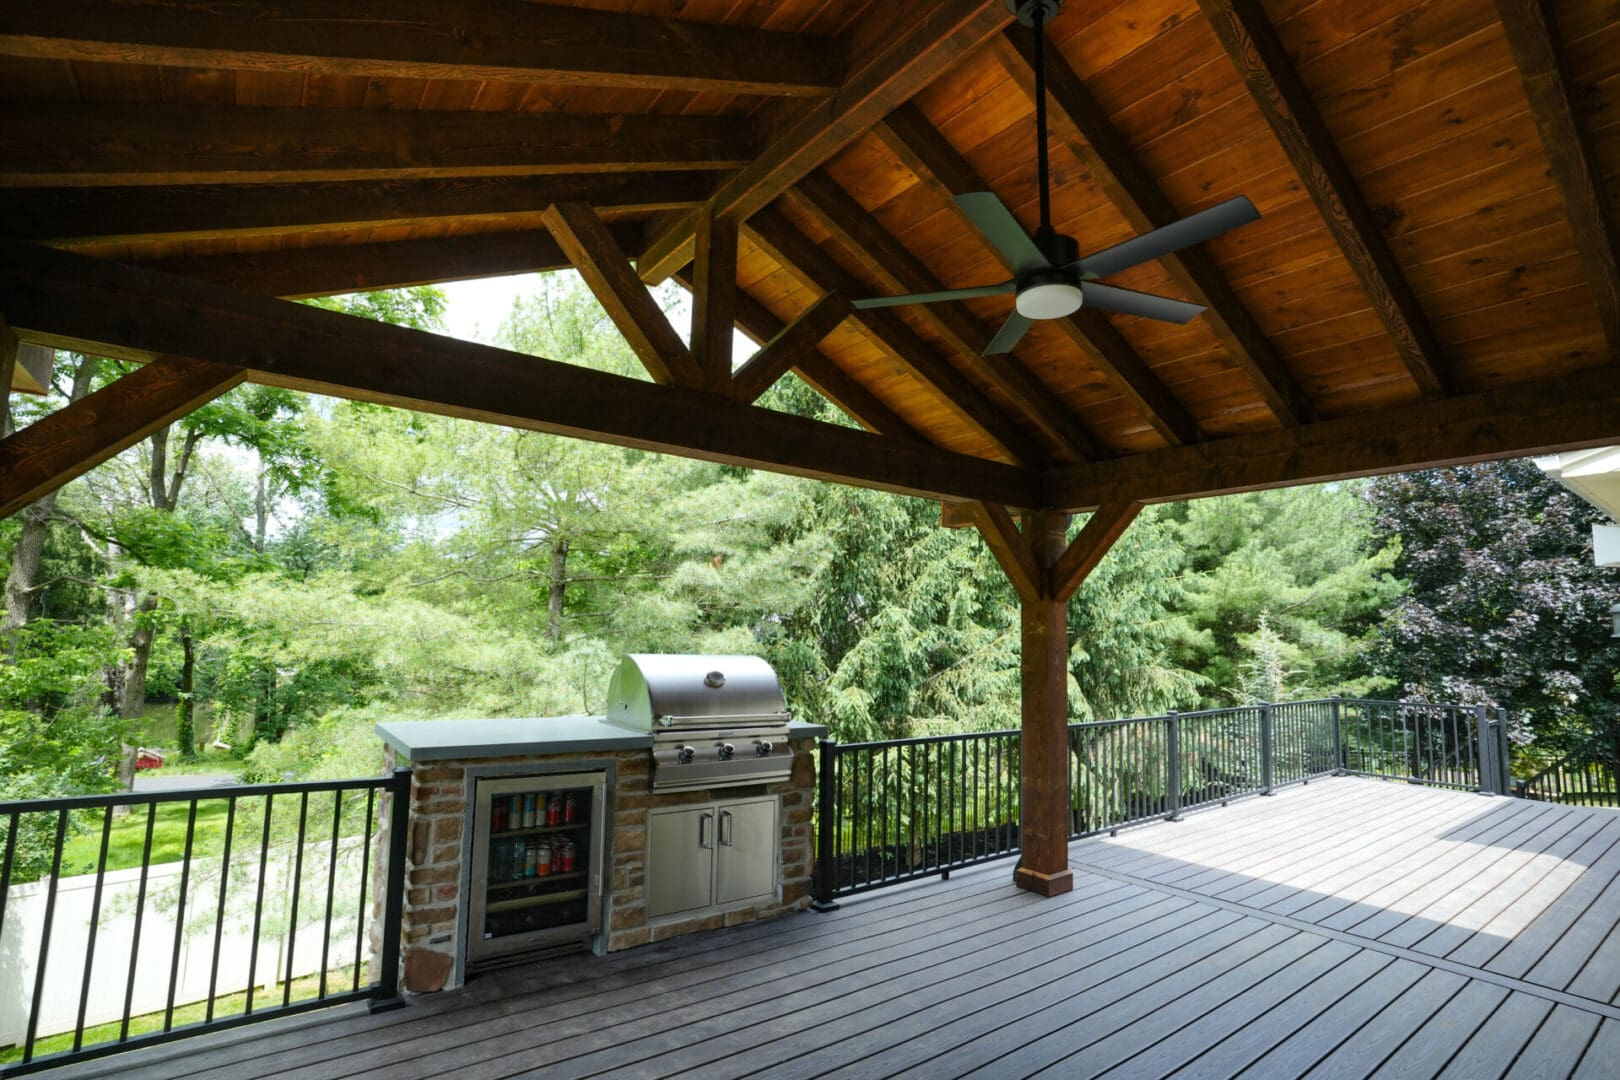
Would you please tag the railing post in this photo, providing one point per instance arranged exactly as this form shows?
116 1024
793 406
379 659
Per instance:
826 876
1172 727
1336 708
386 995
1485 741
1504 751
1267 766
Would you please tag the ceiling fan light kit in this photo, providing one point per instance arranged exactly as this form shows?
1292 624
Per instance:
1050 279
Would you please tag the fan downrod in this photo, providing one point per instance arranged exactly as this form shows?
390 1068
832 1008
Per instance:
1025 10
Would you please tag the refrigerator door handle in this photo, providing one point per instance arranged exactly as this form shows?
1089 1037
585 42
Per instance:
705 820
725 827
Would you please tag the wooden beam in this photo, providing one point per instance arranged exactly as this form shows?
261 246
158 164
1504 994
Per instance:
793 250
110 143
902 51
824 376
1532 33
71 301
1012 552
1571 412
1043 747
470 40
714 294
76 438
956 515
789 346
8 366
606 269
1252 43
924 151
1090 134
887 260
128 214
346 268
1086 550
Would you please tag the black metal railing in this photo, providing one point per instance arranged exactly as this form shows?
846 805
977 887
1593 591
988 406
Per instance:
136 918
1585 776
893 811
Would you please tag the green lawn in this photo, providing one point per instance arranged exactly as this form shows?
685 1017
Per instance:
338 981
128 837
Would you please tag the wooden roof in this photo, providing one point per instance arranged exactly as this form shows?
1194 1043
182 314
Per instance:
1435 179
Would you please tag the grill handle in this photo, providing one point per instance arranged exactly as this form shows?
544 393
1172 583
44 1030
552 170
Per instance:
704 821
719 719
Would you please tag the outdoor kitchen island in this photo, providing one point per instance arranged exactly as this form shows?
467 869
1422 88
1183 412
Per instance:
686 808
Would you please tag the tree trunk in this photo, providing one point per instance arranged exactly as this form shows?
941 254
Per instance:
261 511
186 728
22 581
133 697
556 585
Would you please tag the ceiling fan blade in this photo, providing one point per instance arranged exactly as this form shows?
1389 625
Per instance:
999 227
1204 225
1129 302
936 297
1008 336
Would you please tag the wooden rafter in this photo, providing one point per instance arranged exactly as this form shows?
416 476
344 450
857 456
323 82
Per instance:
76 438
887 260
824 376
787 348
1532 33
792 249
106 143
894 61
1575 411
1252 43
346 268
71 301
714 294
126 214
606 269
1089 133
424 39
924 151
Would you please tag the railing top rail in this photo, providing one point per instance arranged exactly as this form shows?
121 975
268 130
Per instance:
186 795
1202 714
921 740
1118 721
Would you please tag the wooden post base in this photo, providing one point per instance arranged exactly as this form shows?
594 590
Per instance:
1044 884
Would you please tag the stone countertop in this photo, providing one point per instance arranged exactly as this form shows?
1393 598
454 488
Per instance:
444 740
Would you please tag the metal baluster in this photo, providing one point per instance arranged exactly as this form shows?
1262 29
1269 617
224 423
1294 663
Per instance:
140 910
95 926
5 864
45 938
258 903
297 887
219 915
331 885
365 875
180 916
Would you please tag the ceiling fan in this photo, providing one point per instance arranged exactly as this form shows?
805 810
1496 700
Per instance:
1050 280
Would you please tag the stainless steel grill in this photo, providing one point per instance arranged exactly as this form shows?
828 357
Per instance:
716 721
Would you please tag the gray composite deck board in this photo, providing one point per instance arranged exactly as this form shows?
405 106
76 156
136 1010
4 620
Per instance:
1348 928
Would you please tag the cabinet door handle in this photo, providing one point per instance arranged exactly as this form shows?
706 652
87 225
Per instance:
704 821
725 827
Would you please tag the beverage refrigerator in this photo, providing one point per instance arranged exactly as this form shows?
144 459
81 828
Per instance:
537 866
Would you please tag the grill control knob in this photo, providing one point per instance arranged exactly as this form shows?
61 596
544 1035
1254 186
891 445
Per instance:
726 750
685 754
764 747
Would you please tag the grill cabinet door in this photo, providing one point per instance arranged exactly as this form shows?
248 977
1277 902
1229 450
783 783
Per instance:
745 860
680 860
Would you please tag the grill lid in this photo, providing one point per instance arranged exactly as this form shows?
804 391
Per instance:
651 691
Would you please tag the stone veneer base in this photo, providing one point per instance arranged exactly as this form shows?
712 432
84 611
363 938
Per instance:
440 842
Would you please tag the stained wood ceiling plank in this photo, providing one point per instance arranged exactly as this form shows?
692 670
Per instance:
112 143
423 39
908 133
585 239
1252 42
130 214
920 50
76 438
788 246
890 262
1093 138
1534 417
1532 32
72 301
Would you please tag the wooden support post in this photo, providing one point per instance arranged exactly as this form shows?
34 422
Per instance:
8 363
714 300
1043 830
